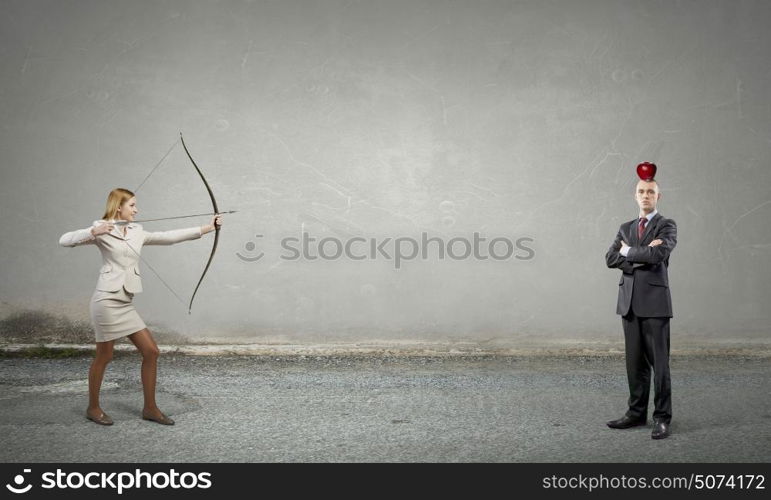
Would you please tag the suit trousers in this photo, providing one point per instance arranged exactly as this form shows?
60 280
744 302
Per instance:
647 345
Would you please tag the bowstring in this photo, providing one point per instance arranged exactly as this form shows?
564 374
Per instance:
160 162
155 273
157 165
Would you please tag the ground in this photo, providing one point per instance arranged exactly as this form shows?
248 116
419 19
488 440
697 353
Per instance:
382 408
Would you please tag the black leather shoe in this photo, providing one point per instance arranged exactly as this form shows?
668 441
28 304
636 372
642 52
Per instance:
660 430
626 422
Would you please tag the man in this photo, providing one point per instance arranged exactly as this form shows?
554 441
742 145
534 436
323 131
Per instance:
641 250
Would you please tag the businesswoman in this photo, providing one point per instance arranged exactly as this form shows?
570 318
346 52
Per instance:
113 316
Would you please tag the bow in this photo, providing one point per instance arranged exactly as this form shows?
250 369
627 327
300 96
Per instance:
216 227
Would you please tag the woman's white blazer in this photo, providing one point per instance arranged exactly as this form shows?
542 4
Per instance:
120 254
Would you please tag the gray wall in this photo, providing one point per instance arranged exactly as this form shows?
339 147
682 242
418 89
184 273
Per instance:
387 119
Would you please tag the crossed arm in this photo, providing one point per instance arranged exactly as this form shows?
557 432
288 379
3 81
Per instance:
656 251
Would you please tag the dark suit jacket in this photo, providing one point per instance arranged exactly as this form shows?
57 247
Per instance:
644 283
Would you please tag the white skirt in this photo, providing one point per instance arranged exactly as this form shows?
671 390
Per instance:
113 315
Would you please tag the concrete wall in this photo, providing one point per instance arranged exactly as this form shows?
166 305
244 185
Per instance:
392 119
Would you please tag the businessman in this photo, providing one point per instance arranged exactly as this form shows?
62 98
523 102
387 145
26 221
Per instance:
641 251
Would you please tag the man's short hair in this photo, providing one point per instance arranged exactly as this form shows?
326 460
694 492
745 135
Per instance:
658 184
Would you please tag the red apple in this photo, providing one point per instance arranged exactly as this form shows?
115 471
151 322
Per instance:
646 171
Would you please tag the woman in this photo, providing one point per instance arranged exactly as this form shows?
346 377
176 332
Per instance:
112 312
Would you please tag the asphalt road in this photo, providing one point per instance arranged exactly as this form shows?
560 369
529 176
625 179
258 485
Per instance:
382 409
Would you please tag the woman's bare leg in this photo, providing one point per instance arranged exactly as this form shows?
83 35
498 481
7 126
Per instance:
145 344
96 375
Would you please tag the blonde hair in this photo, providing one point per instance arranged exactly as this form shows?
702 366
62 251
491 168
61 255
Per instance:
115 199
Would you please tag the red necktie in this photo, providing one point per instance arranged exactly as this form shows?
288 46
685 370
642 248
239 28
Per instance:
641 228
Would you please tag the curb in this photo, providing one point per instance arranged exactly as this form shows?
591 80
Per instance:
405 350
